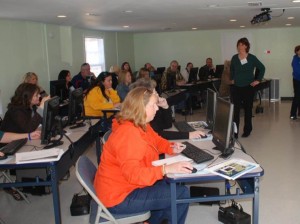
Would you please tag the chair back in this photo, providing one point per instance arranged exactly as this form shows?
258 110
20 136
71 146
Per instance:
105 136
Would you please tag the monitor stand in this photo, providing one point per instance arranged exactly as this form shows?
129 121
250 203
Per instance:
227 152
78 125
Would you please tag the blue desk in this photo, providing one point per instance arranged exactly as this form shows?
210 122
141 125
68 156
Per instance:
82 138
251 192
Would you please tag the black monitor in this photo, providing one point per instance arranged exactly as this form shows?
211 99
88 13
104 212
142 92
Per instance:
160 70
75 116
256 74
193 75
223 127
58 88
211 101
219 71
52 124
171 81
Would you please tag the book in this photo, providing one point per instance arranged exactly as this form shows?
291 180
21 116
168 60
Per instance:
46 155
233 168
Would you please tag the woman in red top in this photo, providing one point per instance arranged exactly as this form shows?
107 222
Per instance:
126 181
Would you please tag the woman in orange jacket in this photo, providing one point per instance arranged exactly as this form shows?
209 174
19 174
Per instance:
126 181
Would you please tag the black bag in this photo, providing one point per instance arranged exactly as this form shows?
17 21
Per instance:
80 205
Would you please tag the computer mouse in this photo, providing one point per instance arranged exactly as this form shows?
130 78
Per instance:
3 157
203 136
194 170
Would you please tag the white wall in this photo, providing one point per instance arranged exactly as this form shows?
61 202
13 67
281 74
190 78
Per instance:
195 46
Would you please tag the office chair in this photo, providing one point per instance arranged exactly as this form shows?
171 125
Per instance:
85 173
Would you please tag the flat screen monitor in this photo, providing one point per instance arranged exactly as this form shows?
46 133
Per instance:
58 88
160 70
52 124
171 81
211 101
219 71
223 127
193 75
75 115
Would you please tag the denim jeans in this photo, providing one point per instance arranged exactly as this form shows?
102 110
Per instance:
157 199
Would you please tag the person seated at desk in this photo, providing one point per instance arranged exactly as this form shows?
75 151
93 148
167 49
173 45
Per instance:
163 117
123 86
144 73
151 69
101 96
172 77
24 109
66 75
84 78
186 72
31 77
207 71
126 181
126 66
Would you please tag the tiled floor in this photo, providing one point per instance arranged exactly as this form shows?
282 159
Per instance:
274 143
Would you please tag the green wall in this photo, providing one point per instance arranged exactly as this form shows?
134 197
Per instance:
195 46
46 49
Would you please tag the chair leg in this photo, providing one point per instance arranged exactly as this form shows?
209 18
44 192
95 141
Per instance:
16 189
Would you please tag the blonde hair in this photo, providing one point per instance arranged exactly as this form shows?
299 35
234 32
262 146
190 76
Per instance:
28 76
147 83
114 69
133 107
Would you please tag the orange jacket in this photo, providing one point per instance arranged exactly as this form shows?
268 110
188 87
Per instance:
126 162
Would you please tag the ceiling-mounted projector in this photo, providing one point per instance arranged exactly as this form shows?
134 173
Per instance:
262 17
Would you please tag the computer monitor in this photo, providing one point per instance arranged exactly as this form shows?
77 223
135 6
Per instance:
58 88
219 71
52 124
171 81
160 70
75 116
193 75
211 102
223 127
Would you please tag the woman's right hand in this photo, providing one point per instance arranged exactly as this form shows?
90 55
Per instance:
179 167
35 135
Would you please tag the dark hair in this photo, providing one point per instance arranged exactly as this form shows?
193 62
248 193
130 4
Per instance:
122 67
245 42
23 95
189 63
297 48
99 82
63 74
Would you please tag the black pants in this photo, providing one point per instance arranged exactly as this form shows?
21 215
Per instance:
296 99
243 97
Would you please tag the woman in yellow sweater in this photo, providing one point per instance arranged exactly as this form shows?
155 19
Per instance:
101 96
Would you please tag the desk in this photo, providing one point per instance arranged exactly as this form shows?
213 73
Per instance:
253 175
82 138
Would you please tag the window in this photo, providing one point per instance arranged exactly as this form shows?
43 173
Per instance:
94 54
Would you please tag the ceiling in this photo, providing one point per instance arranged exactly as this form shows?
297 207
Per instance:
152 15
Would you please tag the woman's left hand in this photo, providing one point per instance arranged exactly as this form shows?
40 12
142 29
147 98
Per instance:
178 147
162 102
254 83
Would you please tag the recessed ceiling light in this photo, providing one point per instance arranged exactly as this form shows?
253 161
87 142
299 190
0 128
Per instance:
291 17
296 1
61 16
194 28
128 11
125 26
288 24
233 20
92 14
212 6
242 26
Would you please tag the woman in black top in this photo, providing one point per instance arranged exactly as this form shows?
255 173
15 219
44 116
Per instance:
66 75
22 115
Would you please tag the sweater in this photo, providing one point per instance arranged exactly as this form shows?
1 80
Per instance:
296 67
126 162
243 74
94 102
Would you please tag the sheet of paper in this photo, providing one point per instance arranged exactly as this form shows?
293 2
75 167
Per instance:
170 160
45 155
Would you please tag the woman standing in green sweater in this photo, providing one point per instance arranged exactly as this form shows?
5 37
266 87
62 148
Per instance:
242 75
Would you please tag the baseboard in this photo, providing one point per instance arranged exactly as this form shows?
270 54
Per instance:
286 98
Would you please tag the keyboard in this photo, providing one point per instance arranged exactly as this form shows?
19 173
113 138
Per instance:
196 154
183 126
14 146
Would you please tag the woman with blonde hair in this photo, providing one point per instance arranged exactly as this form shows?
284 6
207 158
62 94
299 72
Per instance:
31 77
126 181
124 82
